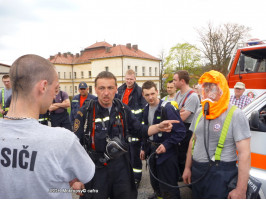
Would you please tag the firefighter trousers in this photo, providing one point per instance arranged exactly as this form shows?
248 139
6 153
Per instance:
134 150
215 184
114 181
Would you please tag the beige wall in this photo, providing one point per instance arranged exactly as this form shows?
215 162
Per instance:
114 65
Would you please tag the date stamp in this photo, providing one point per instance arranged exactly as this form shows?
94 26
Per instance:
70 190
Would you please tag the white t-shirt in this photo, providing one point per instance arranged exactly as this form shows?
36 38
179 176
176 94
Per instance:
37 161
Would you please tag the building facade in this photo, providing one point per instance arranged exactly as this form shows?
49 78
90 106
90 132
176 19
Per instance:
101 56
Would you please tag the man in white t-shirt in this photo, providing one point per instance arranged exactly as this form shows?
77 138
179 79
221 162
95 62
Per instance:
38 161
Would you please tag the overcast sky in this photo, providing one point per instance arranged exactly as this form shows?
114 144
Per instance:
46 27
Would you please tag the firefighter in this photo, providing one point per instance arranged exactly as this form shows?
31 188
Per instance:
130 94
5 93
165 164
107 123
78 100
227 131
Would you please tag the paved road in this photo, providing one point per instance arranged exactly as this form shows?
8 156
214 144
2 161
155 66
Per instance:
145 188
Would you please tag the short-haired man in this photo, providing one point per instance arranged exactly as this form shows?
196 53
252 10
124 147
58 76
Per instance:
78 100
58 110
217 139
38 161
239 99
5 93
188 103
171 91
130 94
165 164
103 126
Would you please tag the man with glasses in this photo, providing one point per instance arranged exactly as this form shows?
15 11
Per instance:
79 100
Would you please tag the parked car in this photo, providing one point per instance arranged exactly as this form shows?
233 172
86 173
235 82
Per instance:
256 113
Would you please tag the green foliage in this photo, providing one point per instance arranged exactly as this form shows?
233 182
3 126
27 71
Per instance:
183 56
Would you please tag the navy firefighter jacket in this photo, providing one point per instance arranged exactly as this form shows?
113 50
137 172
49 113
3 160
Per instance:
75 106
169 140
136 102
109 124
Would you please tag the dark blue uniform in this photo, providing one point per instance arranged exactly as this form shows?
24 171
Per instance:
75 106
136 102
116 179
165 166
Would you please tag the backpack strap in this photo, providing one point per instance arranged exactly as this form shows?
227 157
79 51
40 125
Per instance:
223 135
197 121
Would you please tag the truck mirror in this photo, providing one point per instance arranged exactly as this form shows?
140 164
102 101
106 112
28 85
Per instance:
242 62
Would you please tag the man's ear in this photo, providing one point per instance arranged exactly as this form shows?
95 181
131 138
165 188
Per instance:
43 85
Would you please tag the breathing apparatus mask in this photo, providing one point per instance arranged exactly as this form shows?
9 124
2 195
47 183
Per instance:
215 91
115 148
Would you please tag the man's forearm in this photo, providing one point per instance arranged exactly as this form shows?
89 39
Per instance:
243 171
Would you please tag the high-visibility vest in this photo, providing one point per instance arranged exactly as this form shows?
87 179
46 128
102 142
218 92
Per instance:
3 100
223 135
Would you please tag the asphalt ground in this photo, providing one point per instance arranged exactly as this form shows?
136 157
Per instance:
145 188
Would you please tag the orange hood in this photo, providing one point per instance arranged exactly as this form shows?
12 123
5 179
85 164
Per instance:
216 108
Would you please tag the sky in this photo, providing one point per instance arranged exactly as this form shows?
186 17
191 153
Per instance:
46 27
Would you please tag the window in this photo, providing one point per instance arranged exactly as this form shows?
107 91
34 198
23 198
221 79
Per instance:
90 89
75 75
65 89
136 70
64 75
149 71
82 74
155 71
76 89
143 71
128 67
58 74
89 74
107 68
70 75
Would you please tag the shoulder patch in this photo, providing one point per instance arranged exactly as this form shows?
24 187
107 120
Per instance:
80 113
76 125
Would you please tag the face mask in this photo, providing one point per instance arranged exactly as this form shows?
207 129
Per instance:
215 90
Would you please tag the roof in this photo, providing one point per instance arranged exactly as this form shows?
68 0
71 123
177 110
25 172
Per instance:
101 50
5 65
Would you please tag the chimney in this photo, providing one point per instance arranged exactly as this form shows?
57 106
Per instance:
65 55
107 49
128 45
81 52
77 55
59 53
135 46
114 45
52 57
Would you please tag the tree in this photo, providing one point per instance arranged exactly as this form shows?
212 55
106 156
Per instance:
183 57
219 42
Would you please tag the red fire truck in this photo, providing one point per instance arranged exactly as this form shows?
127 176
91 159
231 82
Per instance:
248 65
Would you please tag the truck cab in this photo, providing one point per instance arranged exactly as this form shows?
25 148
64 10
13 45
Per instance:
256 114
248 65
